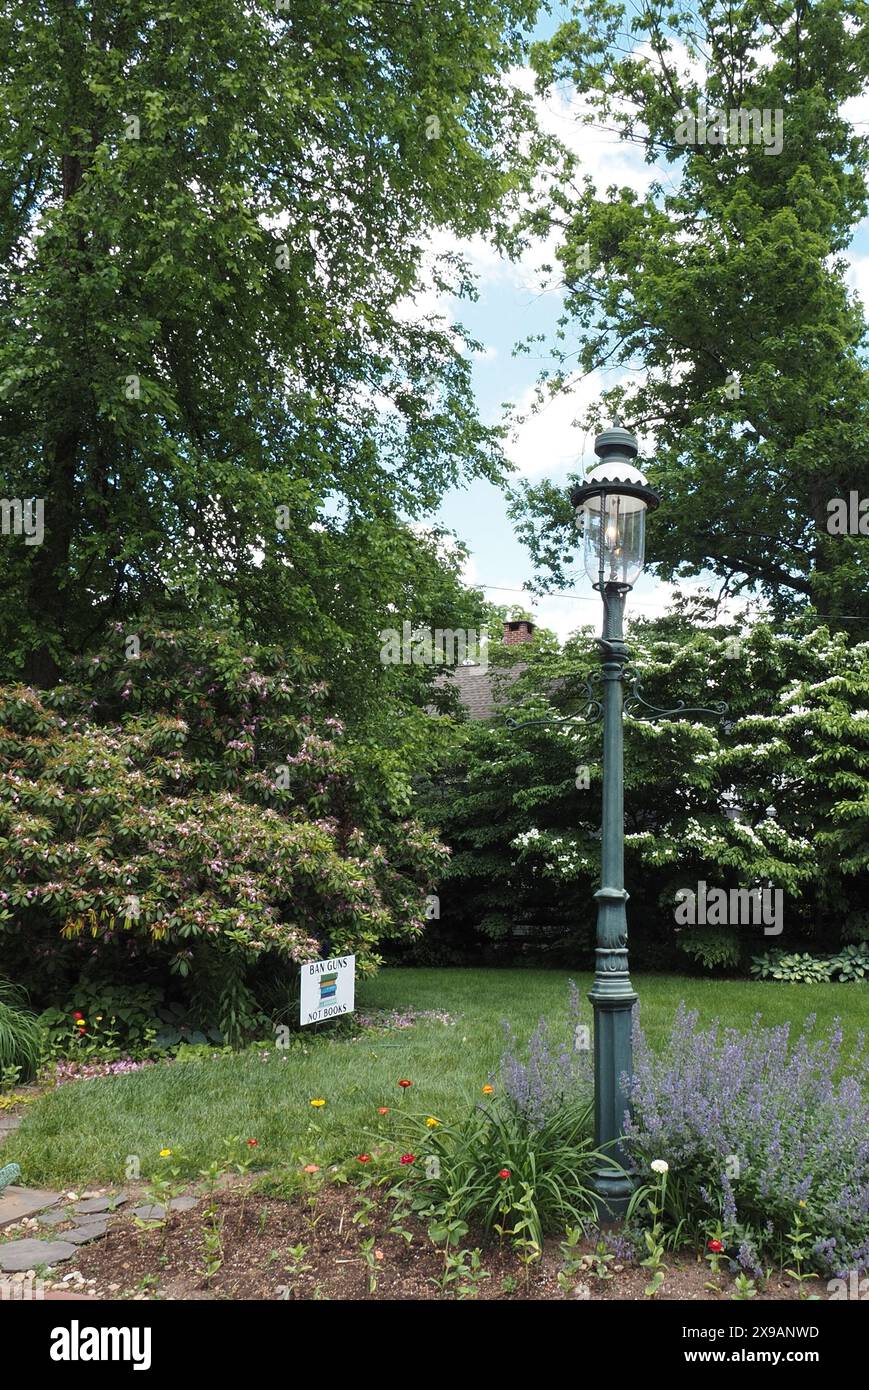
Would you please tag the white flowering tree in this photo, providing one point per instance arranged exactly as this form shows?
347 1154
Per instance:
776 797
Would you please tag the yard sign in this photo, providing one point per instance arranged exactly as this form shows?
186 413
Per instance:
328 989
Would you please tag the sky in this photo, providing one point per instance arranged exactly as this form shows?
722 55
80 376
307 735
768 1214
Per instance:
516 301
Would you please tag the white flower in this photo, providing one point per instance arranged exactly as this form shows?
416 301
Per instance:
660 1165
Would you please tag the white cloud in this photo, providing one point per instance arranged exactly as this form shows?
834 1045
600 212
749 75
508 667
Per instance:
470 573
602 153
550 442
424 303
856 110
486 263
858 275
582 609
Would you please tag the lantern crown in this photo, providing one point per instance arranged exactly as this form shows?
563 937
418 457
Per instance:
616 473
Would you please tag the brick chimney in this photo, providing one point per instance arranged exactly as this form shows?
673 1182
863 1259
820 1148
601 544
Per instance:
519 630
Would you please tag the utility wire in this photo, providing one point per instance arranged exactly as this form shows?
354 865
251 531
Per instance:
644 603
580 598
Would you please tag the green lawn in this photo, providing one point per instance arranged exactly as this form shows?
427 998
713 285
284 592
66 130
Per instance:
82 1133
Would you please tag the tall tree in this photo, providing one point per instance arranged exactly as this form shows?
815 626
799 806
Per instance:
212 218
724 291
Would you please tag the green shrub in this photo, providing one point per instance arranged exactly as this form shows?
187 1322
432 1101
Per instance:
107 1021
20 1036
849 964
519 802
712 948
193 820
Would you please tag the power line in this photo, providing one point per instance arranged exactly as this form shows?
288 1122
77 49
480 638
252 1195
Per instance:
640 603
555 593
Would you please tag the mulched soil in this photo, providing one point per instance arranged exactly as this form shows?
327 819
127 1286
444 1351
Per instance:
257 1231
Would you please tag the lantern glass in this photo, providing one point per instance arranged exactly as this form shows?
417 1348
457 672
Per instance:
614 528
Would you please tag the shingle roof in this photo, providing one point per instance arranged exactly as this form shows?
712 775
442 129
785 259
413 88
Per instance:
475 686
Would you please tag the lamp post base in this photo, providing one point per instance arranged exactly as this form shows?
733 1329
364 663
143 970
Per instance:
612 1192
613 1000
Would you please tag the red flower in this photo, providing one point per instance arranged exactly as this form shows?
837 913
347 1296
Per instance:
404 1084
78 1014
363 1158
715 1246
408 1158
383 1109
504 1174
252 1143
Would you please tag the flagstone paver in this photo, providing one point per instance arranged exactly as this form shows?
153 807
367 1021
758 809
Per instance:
156 1211
184 1203
28 1254
100 1204
54 1218
18 1202
152 1212
89 1230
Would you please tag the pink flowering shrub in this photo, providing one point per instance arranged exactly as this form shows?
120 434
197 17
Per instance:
196 812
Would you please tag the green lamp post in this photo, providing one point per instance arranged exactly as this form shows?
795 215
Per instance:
611 507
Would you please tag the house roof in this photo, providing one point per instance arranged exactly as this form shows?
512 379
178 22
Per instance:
476 687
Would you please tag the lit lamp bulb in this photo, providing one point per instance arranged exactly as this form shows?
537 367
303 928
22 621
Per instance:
613 501
612 547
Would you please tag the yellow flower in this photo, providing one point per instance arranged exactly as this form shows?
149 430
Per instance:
487 1090
165 1153
802 1203
317 1103
99 1018
432 1122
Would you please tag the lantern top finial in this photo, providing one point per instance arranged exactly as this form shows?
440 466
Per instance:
616 442
616 448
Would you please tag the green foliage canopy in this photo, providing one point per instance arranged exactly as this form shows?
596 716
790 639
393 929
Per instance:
722 291
214 220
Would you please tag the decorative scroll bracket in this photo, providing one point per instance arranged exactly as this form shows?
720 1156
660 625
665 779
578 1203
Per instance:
636 701
593 712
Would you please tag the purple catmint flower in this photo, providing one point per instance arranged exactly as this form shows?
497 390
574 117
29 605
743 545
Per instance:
551 1075
760 1128
765 1127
